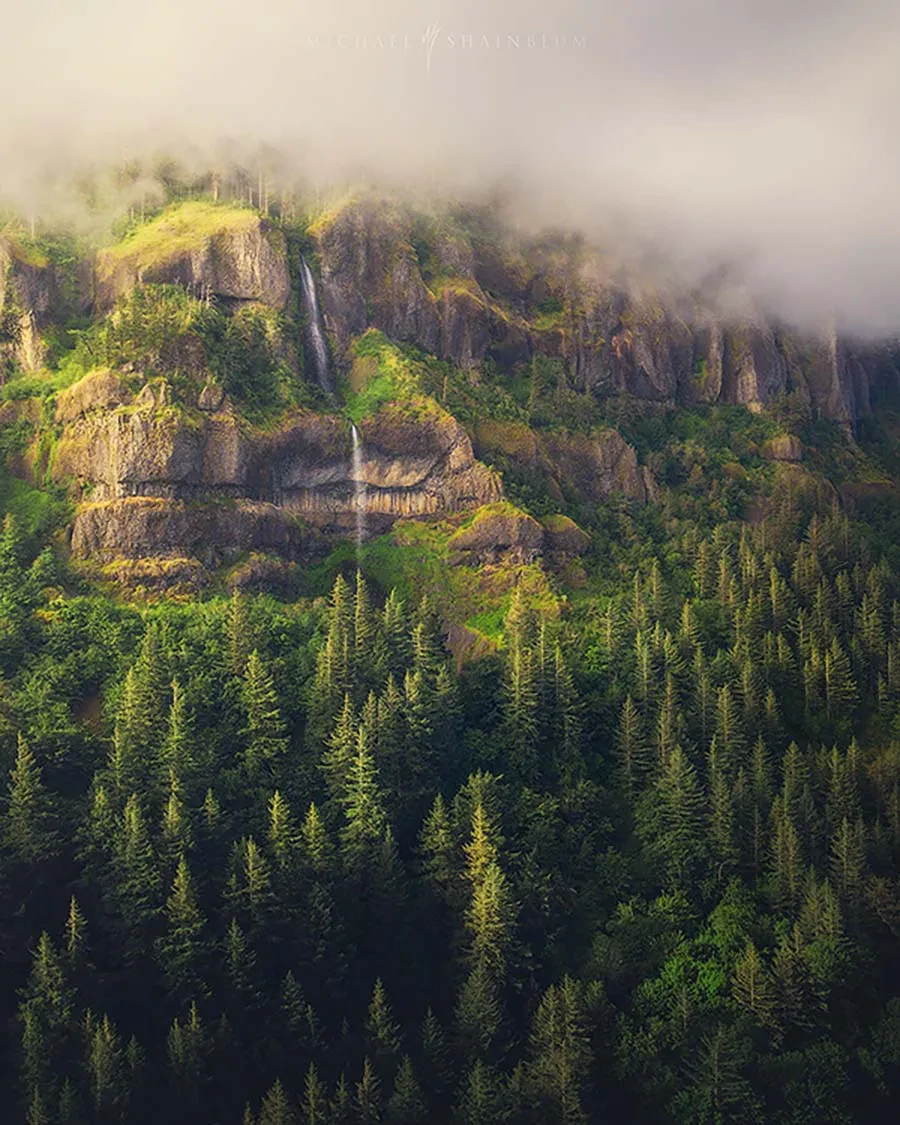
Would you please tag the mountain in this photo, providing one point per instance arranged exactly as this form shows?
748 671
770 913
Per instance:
444 676
204 413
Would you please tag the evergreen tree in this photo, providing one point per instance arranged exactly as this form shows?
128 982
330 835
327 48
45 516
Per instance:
560 1054
752 986
478 1012
276 1108
364 817
180 949
482 1099
240 640
314 1106
27 834
265 731
406 1105
368 1095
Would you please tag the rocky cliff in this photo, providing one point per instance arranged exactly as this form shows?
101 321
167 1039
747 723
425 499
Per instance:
27 290
155 477
466 295
164 465
228 254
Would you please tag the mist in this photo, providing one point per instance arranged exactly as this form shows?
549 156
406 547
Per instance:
745 132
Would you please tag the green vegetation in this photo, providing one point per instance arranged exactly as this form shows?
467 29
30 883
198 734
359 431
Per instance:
160 330
427 840
382 373
179 229
250 847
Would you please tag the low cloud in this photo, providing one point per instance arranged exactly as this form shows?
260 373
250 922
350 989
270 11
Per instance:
748 132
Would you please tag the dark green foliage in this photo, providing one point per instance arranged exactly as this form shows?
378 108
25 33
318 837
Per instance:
641 864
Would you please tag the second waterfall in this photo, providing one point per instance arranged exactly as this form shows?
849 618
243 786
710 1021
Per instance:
359 487
315 329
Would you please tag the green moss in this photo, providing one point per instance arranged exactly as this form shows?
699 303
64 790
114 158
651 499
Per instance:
382 373
179 229
558 522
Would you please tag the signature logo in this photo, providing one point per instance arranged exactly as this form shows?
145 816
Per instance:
429 41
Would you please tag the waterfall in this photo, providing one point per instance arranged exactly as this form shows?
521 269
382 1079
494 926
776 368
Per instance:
315 333
359 487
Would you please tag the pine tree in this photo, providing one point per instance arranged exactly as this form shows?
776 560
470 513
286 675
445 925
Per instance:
560 1054
240 641
107 1071
276 1108
75 941
489 920
46 1017
752 986
27 834
178 749
406 1105
249 889
314 1107
848 859
282 837
840 690
436 1055
678 837
382 1031
722 826
138 885
567 718
265 732
478 1012
669 724
364 818
796 1001
481 849
482 1100
363 622
437 851
187 1048
520 709
368 1095
317 848
341 747
730 736
786 857
176 830
635 763
180 949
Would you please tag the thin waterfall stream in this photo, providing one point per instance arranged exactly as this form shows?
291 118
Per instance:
315 331
359 487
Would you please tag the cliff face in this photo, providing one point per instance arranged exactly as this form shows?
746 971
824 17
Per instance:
589 468
229 255
159 479
27 291
465 297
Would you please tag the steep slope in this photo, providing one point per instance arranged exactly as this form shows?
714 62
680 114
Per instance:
466 288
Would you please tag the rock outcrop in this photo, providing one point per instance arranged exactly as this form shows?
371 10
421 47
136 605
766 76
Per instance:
494 535
501 533
371 277
230 254
27 296
586 467
211 532
464 297
185 464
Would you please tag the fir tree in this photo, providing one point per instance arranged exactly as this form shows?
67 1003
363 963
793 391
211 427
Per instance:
264 733
27 834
